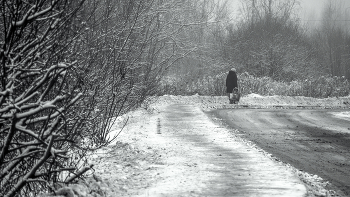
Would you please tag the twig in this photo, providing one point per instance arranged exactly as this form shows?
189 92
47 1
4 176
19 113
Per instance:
79 173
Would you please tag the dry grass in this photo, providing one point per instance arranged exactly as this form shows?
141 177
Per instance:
321 87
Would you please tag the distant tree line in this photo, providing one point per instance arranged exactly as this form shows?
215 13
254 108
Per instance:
269 40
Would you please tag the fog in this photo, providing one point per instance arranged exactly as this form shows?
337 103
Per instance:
308 11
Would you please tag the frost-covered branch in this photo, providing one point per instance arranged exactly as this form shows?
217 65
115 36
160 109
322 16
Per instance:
30 16
38 87
32 172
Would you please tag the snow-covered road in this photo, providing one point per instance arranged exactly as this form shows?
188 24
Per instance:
200 158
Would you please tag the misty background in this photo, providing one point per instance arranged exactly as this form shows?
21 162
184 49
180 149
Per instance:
282 41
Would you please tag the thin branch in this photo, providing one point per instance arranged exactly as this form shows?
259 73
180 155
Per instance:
32 172
79 173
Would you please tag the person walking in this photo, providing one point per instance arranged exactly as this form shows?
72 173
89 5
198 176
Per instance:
231 85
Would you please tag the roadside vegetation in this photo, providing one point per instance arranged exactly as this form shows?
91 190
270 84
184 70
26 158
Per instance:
317 87
68 69
273 52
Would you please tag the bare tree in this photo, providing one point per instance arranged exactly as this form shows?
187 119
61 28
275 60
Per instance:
269 41
334 39
123 51
37 91
197 27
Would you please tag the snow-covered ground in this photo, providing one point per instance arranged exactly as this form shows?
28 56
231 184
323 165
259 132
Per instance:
343 115
131 163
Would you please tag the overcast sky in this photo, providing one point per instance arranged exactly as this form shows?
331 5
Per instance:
309 10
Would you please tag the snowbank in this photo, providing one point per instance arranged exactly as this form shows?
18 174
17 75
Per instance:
252 100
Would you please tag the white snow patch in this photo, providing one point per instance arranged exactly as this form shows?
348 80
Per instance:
253 95
342 115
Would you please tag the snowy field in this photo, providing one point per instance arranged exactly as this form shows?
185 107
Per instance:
132 162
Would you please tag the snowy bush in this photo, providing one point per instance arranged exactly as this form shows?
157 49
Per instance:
39 98
68 70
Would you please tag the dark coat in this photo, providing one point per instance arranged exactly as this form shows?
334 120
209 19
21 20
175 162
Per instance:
231 81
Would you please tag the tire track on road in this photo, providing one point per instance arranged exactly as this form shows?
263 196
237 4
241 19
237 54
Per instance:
211 161
311 140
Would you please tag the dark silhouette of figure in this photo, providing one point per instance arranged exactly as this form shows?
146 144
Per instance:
232 86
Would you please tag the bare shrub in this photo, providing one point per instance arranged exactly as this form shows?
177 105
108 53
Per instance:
320 87
68 69
37 91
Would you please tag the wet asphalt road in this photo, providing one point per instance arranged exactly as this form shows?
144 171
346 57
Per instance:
314 141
